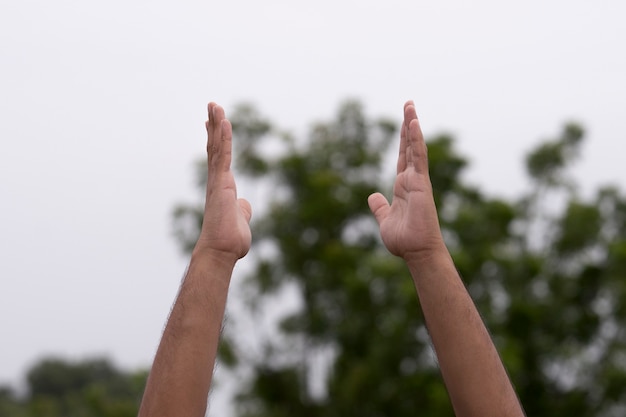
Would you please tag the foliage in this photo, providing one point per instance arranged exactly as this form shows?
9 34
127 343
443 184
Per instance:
545 270
90 388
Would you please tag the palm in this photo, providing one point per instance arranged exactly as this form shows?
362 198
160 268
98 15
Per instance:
225 226
408 226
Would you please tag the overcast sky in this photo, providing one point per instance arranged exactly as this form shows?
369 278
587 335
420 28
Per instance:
102 105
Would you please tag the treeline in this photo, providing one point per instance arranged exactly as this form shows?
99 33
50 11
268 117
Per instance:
58 387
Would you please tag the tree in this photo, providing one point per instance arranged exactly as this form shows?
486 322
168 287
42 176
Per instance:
545 269
89 388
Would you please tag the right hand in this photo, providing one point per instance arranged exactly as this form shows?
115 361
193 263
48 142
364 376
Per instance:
409 226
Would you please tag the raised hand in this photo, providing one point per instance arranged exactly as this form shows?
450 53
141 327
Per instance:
225 228
181 375
409 226
471 368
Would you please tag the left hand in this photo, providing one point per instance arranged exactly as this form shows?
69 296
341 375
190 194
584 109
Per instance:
226 225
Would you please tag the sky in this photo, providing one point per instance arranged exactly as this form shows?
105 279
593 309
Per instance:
102 109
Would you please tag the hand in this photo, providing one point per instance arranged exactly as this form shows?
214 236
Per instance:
225 228
409 226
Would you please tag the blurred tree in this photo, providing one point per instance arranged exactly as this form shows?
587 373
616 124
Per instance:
546 270
91 388
10 406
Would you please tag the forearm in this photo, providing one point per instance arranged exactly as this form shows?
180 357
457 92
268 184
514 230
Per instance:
180 378
474 375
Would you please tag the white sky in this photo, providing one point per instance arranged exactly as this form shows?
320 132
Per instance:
102 105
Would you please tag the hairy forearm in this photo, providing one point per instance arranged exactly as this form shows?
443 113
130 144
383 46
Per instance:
474 375
181 375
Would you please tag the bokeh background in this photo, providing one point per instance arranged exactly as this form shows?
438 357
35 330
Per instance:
102 107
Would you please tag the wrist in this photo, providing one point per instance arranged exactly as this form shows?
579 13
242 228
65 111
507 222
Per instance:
433 270
205 254
433 253
429 261
211 264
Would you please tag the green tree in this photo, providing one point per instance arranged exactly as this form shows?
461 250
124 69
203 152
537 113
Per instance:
10 405
90 388
545 269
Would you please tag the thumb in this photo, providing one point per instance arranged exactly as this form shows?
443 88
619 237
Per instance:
246 209
379 206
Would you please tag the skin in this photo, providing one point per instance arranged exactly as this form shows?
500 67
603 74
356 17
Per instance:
473 373
180 378
181 374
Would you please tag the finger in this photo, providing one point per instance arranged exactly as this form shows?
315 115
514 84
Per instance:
379 206
210 107
217 115
408 103
409 114
404 144
213 127
419 153
246 208
225 153
402 154
209 123
415 141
